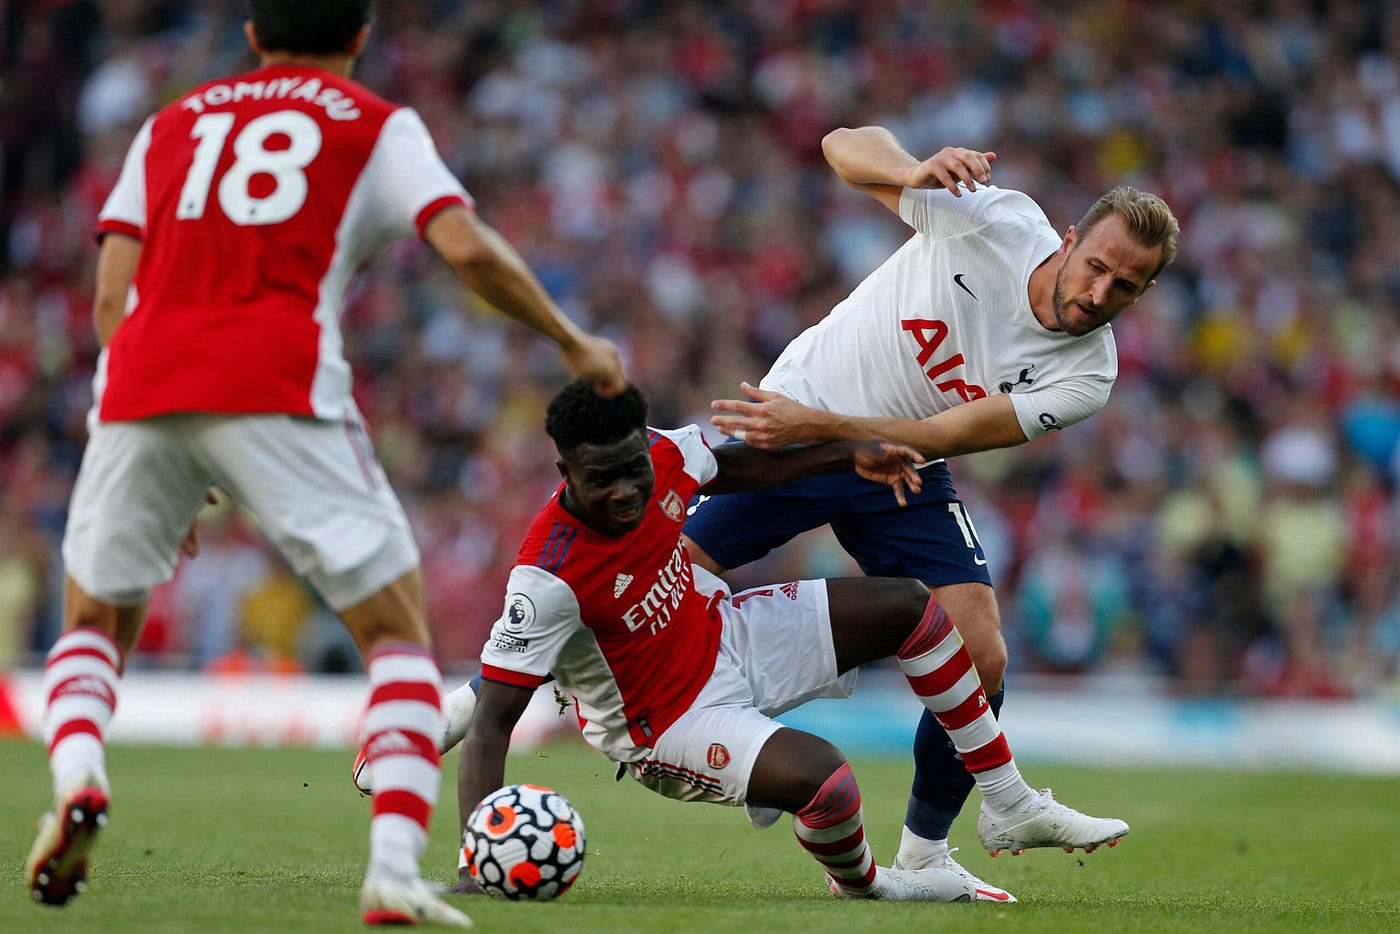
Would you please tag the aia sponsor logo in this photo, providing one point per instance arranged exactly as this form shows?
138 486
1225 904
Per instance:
673 506
85 686
717 756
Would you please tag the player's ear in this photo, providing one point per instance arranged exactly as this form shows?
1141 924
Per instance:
563 468
1067 243
357 44
251 35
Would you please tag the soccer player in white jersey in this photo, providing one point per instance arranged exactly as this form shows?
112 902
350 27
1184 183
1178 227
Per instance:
241 214
986 329
676 680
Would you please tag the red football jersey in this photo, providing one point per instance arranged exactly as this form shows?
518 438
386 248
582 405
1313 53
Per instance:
617 620
256 199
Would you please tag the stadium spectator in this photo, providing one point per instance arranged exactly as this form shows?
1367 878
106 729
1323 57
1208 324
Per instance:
1269 127
242 211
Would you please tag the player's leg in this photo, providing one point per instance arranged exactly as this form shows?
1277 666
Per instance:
732 754
941 782
808 777
790 654
134 499
935 541
458 710
1013 816
322 498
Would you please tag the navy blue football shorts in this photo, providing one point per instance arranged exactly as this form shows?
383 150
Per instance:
932 539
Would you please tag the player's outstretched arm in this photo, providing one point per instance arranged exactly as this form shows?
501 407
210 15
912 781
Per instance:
481 765
488 265
872 160
772 420
743 468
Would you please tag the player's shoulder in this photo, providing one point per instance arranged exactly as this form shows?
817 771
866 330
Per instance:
682 449
550 538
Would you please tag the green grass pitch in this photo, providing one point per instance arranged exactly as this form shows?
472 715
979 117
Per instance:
215 840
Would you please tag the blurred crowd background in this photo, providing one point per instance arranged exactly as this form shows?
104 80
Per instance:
1226 526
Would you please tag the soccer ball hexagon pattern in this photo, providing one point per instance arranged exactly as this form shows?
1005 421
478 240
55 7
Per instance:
524 842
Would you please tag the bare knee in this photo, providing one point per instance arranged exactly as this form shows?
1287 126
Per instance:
990 661
791 769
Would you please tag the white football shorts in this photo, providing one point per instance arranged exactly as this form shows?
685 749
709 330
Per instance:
776 653
315 487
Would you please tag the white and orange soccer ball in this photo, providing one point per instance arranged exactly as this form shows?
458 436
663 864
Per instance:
524 842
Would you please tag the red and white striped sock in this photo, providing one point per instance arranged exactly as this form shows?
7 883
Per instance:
830 827
941 672
80 687
402 723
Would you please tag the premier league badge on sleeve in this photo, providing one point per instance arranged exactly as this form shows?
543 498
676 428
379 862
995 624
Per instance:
520 614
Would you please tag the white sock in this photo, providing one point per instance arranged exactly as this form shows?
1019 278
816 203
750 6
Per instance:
916 852
458 710
404 713
80 683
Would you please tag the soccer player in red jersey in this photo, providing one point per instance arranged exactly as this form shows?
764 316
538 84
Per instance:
677 680
242 212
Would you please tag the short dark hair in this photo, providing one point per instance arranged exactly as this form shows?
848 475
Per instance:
311 27
578 415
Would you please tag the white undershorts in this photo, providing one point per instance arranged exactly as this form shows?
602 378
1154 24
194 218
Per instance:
315 487
776 652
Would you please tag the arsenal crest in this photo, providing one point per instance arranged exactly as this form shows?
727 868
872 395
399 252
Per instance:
672 506
717 756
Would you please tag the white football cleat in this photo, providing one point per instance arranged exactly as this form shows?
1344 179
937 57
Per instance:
359 773
912 885
982 890
389 901
1046 822
57 862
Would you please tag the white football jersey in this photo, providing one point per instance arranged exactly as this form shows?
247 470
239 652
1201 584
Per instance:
947 319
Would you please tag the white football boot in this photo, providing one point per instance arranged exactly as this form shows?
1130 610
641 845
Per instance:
385 900
912 885
941 857
1046 822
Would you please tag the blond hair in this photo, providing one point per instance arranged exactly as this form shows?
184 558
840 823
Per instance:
1150 221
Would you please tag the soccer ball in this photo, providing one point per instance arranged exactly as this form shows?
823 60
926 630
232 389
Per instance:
524 842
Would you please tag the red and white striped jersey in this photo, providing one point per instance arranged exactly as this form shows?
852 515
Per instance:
256 200
617 620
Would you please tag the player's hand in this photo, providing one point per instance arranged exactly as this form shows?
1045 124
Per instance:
892 464
466 885
190 546
949 167
596 358
771 420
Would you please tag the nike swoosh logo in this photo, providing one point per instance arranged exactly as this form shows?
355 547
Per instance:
957 280
989 895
